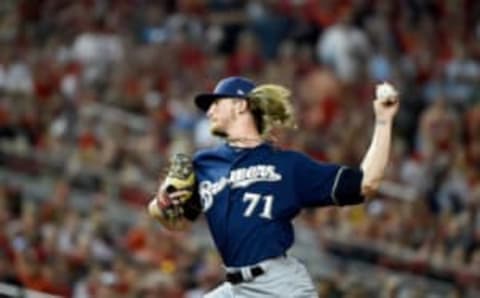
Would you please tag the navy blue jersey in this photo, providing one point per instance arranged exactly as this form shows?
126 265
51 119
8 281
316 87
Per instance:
250 195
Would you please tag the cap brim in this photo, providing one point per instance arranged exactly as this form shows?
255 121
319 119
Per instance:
203 101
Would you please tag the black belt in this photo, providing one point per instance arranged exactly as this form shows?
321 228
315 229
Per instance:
237 277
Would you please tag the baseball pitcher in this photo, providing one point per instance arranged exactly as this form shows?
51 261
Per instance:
250 191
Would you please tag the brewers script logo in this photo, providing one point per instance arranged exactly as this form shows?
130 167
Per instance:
238 178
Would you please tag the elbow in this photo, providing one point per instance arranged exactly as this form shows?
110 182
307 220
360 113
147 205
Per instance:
370 187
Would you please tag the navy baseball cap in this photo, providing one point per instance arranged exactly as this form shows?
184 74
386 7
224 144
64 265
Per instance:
231 87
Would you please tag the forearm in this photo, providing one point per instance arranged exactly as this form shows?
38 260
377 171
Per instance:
376 158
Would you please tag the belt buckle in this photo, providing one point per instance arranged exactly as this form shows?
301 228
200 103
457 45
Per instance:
245 274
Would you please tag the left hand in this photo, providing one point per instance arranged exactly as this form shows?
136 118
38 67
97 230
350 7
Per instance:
167 206
387 102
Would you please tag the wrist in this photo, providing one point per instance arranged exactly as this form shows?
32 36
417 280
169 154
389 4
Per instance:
163 201
383 122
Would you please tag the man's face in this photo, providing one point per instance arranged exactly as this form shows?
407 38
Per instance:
221 114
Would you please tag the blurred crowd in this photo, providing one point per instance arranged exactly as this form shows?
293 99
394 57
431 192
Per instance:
97 94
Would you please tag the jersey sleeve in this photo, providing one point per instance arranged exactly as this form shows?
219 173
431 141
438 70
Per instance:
192 208
321 184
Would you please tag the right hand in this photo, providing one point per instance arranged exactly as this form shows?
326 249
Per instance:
386 108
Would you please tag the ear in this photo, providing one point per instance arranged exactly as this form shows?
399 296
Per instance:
241 106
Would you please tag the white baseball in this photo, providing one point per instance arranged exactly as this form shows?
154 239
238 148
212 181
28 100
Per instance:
385 92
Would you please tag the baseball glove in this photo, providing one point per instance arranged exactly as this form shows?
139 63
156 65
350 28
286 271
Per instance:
180 176
177 188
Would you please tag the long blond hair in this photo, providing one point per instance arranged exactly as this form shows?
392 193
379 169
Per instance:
271 107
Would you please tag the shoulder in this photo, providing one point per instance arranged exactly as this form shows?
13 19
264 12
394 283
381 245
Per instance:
301 161
294 156
207 154
289 158
204 153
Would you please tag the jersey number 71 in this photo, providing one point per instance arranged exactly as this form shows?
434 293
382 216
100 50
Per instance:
253 200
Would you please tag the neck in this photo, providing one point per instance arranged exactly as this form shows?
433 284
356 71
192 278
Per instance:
244 136
244 142
242 131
